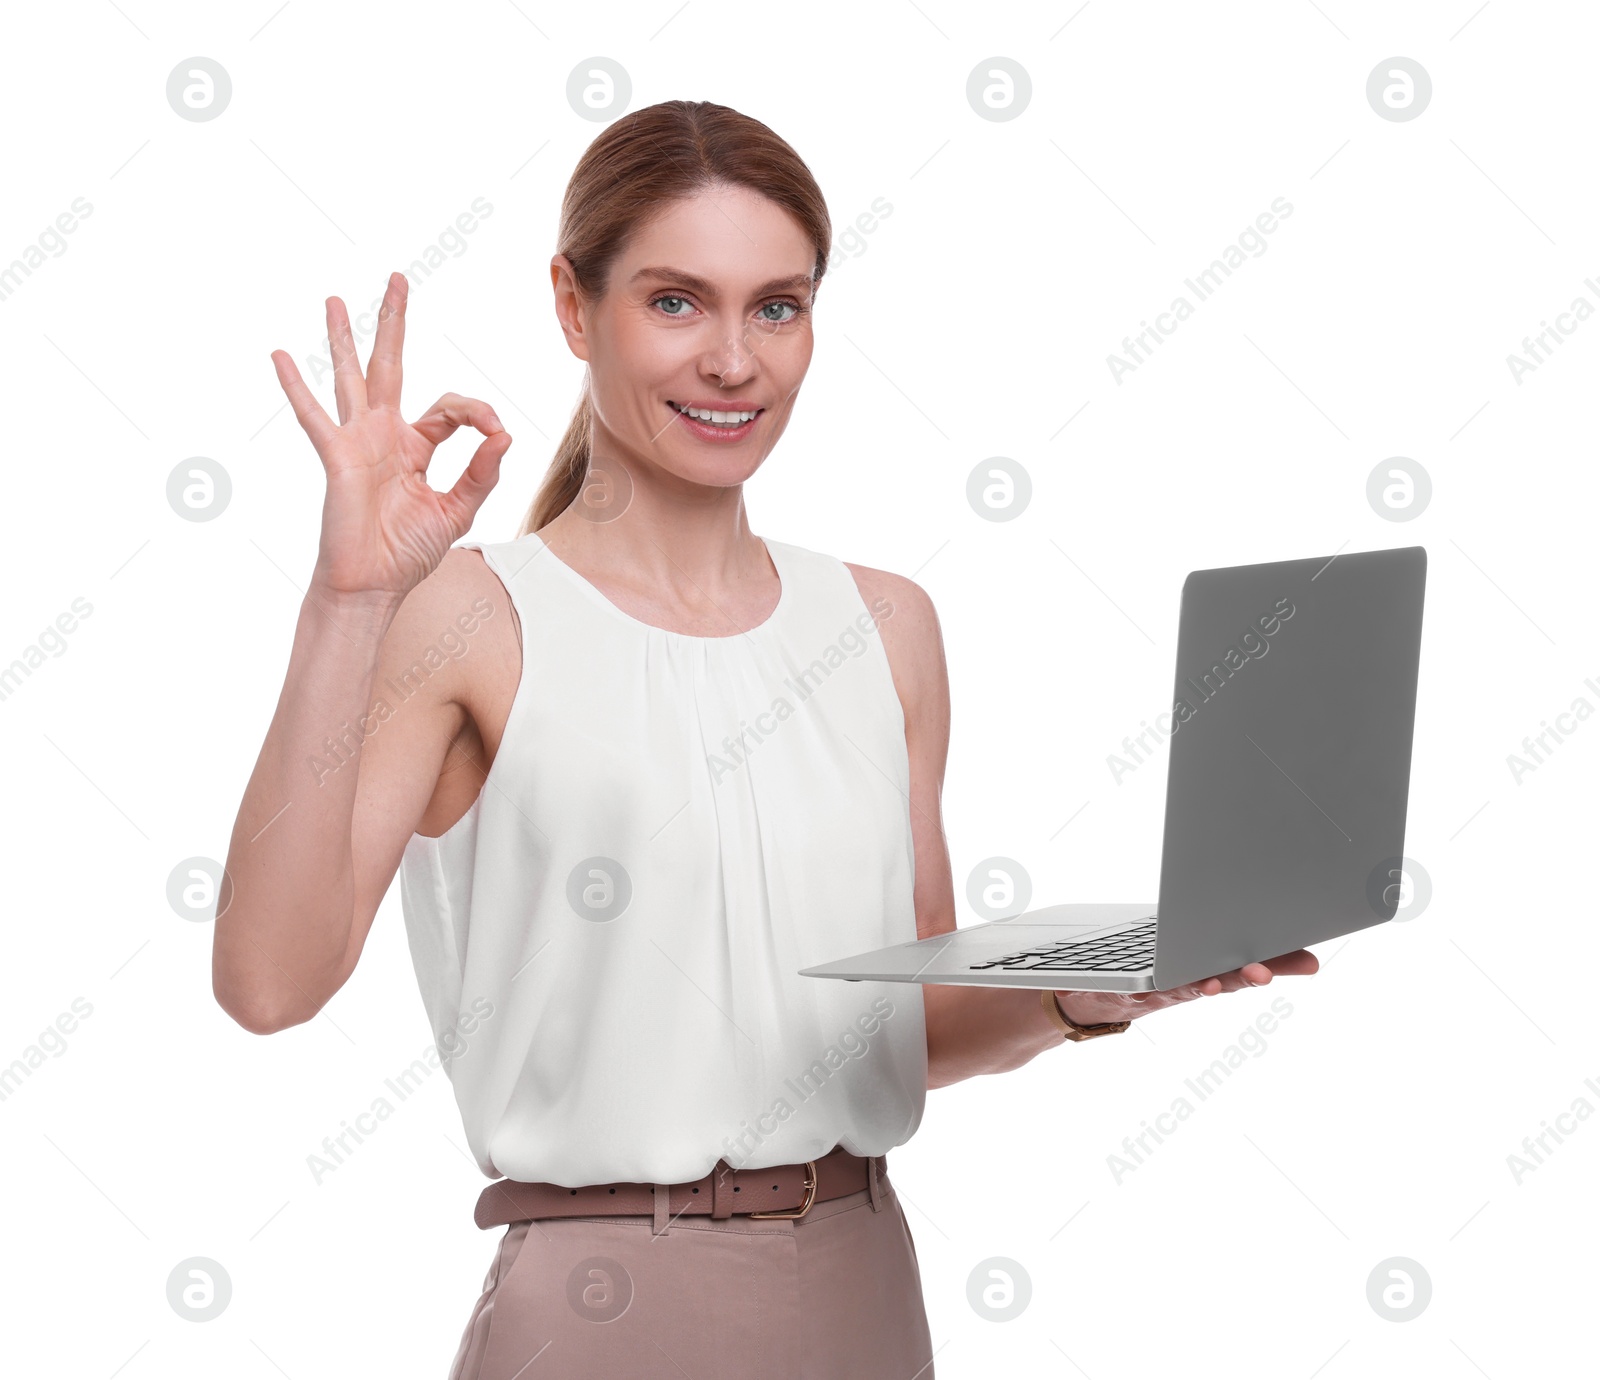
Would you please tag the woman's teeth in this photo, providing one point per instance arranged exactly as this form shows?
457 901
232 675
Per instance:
701 414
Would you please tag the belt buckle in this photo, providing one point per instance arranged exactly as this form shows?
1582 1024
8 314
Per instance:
805 1207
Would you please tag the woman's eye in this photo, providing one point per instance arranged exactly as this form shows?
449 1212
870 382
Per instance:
772 314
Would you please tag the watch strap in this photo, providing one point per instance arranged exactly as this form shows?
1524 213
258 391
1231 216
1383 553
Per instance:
1070 1029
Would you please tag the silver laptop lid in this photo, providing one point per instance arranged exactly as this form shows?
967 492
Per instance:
1290 758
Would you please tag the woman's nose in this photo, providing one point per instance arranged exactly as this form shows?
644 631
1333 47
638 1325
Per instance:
733 359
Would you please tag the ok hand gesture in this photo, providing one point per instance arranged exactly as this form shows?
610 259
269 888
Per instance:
384 530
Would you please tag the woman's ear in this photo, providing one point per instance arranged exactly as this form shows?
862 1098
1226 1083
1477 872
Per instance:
569 305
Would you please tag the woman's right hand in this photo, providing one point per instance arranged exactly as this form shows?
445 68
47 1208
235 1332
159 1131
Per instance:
384 530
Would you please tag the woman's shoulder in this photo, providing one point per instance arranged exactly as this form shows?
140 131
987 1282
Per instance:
472 576
462 607
872 583
909 627
899 592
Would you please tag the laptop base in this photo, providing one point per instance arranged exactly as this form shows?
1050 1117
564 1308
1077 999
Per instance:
968 956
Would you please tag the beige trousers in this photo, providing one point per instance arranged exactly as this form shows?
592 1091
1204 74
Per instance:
832 1296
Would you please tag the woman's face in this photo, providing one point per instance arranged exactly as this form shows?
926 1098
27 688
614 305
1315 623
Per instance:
708 307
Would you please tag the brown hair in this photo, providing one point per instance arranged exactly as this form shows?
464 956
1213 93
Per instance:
635 169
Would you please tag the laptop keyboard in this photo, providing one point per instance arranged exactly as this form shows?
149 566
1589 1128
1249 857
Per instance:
1130 950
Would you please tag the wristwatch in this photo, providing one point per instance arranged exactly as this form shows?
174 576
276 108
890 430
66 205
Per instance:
1070 1030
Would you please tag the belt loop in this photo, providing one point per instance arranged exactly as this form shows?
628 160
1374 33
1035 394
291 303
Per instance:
721 1189
873 1186
663 1202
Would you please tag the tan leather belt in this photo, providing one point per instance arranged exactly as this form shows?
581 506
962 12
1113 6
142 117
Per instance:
783 1191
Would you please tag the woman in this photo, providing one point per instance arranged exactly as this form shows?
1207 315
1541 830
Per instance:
636 768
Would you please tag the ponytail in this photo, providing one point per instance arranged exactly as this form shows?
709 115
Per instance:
563 481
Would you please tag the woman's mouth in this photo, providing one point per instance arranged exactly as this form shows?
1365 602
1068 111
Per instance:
716 423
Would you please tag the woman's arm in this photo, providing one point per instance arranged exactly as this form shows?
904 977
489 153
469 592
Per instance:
326 814
974 1030
322 826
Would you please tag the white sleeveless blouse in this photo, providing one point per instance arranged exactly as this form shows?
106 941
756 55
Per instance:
608 941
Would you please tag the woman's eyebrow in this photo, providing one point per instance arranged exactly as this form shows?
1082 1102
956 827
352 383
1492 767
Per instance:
706 289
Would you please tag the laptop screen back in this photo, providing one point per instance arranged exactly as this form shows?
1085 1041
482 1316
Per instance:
1290 758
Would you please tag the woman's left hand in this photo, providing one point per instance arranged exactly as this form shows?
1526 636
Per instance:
1092 1008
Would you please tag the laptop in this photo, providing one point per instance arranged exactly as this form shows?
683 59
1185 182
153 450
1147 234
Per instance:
1287 780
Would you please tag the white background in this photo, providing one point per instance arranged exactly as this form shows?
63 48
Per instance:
974 321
